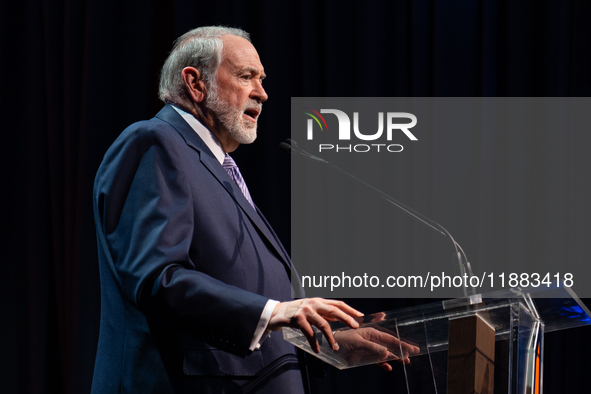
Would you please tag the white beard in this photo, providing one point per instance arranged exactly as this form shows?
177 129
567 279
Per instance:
241 130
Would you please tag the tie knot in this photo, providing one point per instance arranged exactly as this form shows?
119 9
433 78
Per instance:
229 163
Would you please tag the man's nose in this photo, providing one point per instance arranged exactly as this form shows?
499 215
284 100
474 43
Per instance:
259 93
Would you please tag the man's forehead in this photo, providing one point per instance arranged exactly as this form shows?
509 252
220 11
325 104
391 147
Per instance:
239 53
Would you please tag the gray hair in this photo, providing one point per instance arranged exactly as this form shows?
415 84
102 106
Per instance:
201 48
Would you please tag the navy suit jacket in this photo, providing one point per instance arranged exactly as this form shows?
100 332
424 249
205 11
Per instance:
186 267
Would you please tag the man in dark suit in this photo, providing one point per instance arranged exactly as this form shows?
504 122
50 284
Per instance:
194 282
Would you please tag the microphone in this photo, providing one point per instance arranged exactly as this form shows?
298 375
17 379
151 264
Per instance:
284 146
291 146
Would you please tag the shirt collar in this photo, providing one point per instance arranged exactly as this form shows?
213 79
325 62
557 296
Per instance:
204 133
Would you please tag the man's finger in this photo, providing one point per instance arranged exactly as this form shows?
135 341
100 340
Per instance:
325 328
344 307
369 347
308 331
384 338
333 312
391 341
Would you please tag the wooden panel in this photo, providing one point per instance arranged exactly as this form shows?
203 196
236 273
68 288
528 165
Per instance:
471 356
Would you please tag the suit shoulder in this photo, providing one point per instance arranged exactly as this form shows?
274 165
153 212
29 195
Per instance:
124 155
153 130
141 136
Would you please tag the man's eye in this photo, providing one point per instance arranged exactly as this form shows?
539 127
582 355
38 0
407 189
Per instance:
245 77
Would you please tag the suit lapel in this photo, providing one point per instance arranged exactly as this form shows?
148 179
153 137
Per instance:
169 115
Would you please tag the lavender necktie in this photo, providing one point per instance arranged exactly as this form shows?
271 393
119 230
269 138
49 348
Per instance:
232 169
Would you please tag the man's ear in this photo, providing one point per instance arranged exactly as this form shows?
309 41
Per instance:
194 84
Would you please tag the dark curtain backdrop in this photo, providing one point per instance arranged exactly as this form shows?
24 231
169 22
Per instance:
76 73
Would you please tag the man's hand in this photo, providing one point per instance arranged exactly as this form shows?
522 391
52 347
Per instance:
371 344
318 312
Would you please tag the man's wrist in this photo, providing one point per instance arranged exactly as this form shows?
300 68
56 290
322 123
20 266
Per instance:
262 331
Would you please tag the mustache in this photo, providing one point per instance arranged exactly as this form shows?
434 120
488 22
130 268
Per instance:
253 104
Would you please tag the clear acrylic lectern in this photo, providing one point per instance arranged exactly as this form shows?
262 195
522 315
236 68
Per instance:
517 319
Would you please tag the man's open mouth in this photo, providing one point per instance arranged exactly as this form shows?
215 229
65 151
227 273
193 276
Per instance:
252 113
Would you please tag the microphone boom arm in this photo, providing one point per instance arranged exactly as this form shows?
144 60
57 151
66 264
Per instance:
291 146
